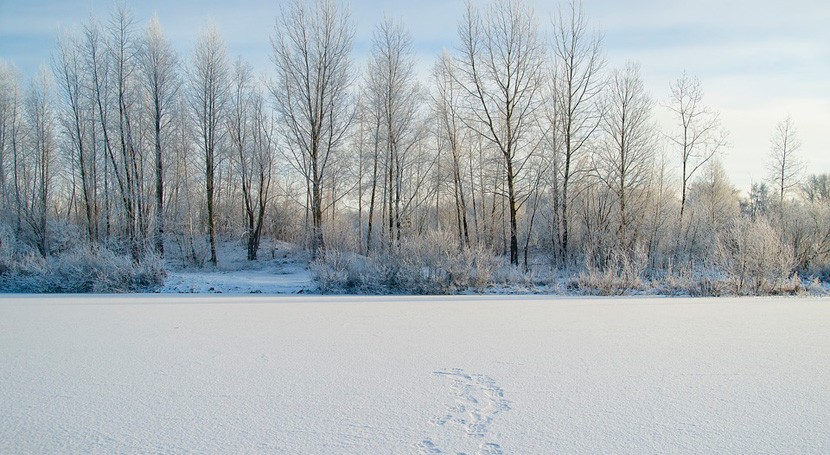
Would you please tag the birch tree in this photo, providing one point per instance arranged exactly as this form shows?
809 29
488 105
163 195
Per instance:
577 85
40 119
10 139
209 80
311 44
785 166
70 74
161 84
392 89
446 108
127 164
698 137
625 161
500 69
251 132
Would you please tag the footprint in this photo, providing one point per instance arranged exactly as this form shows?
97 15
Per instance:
428 447
490 448
477 399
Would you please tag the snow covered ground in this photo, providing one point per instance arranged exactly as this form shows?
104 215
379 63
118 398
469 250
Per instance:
282 268
464 374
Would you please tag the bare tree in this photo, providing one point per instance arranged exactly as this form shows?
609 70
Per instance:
251 131
625 162
160 79
785 166
446 107
183 193
392 89
311 43
713 206
209 81
97 64
500 69
128 164
578 65
816 189
370 118
40 119
260 173
73 82
10 136
699 137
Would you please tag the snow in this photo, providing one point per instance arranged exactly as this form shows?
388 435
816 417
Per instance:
282 268
282 281
462 374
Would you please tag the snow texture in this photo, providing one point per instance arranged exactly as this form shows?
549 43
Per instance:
406 375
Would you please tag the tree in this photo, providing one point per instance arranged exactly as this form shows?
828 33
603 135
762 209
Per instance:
260 173
715 196
209 80
624 162
68 67
40 119
311 46
251 133
713 206
393 91
577 84
160 79
370 118
816 189
10 138
500 70
785 166
128 164
699 137
97 65
446 108
816 223
758 202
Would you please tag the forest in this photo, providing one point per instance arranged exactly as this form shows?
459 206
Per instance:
521 159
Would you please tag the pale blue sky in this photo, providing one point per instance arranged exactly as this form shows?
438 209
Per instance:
758 60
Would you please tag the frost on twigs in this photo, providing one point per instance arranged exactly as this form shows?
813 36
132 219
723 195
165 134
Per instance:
754 260
432 264
78 269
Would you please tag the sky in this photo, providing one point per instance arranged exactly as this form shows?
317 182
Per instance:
758 61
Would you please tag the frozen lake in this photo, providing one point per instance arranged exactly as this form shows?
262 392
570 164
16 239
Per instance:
372 375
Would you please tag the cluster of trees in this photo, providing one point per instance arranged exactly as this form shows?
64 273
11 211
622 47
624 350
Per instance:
520 142
136 144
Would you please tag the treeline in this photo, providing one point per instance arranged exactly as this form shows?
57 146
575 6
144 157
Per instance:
522 144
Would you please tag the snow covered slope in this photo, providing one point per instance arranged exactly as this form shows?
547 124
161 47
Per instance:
465 374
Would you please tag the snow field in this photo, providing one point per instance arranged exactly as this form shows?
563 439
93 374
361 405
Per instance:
463 374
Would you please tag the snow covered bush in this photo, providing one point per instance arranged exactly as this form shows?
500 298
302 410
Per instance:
432 264
688 280
809 232
754 260
436 264
81 269
622 273
84 270
337 271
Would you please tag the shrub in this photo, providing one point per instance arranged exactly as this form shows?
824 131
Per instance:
432 264
622 273
436 264
81 269
754 260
